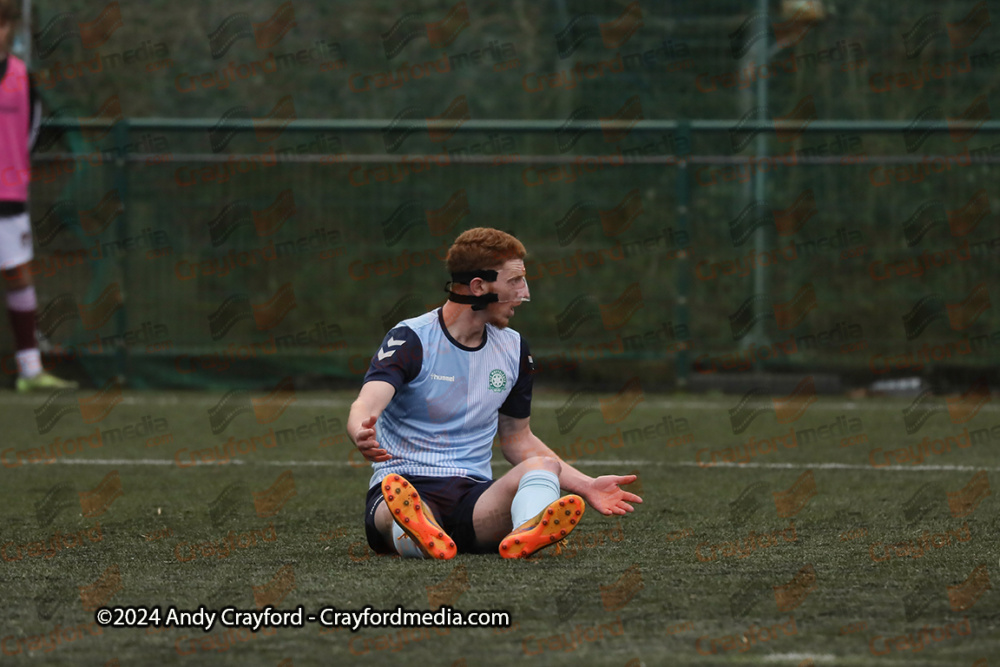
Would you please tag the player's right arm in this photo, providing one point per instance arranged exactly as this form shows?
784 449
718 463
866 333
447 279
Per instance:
373 399
397 361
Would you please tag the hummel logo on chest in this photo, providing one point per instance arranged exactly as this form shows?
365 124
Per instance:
446 378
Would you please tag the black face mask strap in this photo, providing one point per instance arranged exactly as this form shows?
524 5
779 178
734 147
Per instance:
466 277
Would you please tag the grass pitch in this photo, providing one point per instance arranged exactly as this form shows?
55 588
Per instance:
803 553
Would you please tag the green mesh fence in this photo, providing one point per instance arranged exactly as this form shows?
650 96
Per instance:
204 268
228 240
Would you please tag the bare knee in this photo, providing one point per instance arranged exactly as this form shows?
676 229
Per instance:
549 463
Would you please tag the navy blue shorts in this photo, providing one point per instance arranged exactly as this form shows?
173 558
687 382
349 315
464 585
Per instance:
453 499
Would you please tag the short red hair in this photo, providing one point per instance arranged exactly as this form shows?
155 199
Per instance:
483 248
10 11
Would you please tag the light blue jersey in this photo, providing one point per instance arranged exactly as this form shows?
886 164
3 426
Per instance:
443 418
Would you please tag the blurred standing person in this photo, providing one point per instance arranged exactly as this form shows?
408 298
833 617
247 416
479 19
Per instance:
20 118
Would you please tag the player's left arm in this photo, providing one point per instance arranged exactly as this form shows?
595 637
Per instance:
604 493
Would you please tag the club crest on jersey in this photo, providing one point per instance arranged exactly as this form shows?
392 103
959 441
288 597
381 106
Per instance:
498 380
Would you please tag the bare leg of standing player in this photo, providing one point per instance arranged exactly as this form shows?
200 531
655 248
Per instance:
22 309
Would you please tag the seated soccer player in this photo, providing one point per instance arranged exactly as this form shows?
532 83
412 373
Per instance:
438 390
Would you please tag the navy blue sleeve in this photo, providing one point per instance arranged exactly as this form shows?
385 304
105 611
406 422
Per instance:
518 403
398 359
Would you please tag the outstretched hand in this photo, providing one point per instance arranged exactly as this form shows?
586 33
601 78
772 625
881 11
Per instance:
606 496
367 445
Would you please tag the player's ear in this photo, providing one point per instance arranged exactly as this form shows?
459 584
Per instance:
477 286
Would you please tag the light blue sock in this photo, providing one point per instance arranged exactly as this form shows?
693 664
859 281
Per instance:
537 489
404 545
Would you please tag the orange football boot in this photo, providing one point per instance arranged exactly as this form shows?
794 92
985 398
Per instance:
403 502
550 525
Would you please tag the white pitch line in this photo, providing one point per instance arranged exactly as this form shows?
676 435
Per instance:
799 657
821 405
193 400
587 463
201 400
